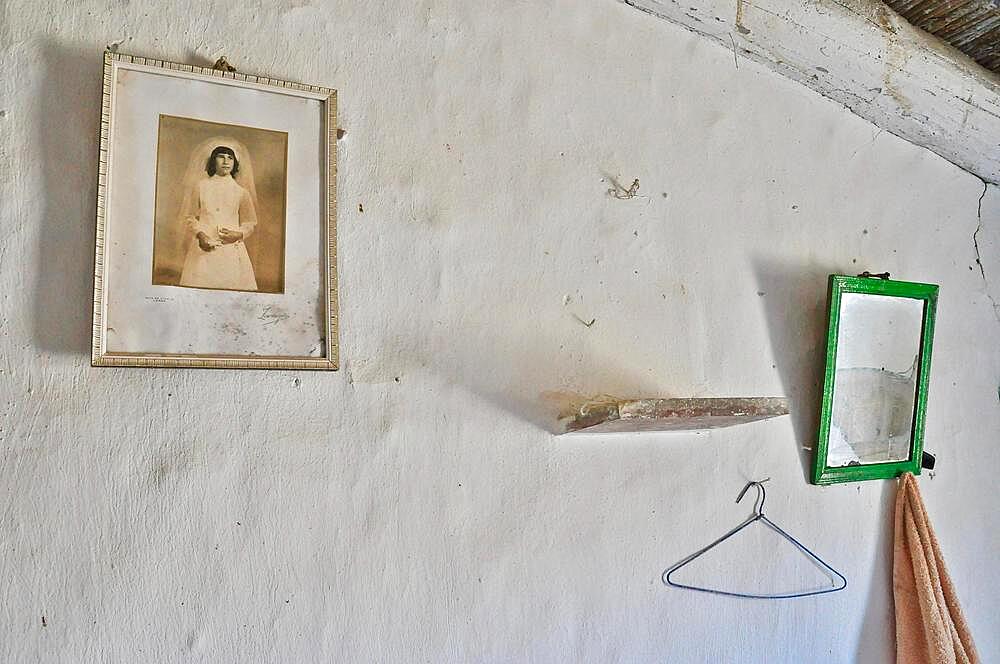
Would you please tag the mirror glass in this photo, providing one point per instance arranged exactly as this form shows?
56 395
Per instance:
874 391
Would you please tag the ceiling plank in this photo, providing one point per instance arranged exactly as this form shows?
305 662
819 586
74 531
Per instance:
971 26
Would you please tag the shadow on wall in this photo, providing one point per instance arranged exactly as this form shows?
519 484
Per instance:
526 377
795 307
68 124
878 631
538 388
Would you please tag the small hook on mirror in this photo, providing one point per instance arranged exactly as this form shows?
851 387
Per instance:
761 495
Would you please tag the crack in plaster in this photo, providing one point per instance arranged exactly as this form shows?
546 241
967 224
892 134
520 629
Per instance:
975 244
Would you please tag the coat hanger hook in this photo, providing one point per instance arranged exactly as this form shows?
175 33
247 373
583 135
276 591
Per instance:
838 580
761 495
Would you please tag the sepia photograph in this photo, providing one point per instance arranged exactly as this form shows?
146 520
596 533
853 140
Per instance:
216 220
220 206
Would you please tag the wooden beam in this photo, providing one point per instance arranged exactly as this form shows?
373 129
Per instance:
861 54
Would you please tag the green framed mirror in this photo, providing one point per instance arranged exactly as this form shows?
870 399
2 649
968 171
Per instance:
878 360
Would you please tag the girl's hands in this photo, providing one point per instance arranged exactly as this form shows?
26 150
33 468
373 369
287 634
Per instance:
228 236
204 243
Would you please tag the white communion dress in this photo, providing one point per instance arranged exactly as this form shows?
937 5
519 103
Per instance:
219 202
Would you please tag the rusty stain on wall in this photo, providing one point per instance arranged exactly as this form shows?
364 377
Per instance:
896 56
743 30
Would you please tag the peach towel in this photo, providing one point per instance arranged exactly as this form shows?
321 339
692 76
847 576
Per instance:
930 627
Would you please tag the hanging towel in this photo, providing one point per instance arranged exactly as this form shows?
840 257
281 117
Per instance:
930 627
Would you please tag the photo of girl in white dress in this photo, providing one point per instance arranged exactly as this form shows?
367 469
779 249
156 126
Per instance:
211 230
219 213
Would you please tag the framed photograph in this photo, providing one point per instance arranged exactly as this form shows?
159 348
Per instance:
216 220
878 364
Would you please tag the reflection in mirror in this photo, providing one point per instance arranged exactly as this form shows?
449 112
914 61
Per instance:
874 392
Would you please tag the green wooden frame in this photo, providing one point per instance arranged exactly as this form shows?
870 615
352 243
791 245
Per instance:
839 284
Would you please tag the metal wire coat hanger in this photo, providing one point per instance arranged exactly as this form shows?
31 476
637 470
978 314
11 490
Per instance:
757 516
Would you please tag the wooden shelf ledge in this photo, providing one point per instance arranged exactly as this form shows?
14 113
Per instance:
635 415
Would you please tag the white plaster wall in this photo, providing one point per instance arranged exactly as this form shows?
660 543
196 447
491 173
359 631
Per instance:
413 507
